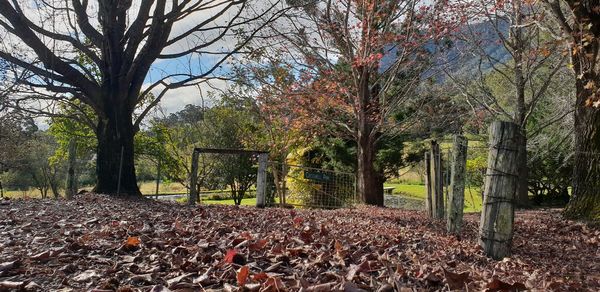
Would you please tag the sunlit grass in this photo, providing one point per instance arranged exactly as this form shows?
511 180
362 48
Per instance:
472 195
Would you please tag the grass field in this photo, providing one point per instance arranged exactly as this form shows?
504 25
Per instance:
414 191
245 202
472 195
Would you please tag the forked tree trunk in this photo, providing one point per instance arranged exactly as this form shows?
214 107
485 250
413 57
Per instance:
585 199
115 134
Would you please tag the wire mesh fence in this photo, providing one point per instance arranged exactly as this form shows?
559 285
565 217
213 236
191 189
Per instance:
311 187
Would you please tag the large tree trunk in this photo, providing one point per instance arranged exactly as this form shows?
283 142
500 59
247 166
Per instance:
585 199
370 181
585 56
115 134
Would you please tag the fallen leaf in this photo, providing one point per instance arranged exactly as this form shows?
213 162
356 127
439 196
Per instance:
233 257
159 288
132 242
298 221
41 256
11 285
6 266
242 275
260 276
325 287
258 245
456 281
178 279
86 276
497 285
352 287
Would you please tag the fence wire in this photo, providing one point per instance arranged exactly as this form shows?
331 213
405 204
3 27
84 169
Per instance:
312 187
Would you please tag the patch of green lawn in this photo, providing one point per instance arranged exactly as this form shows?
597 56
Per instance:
472 195
245 202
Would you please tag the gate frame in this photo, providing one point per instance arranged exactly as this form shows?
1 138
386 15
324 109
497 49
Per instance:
261 177
289 166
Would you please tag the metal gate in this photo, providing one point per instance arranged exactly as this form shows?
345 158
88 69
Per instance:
311 187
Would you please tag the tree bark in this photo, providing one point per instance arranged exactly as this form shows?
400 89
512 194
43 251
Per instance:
585 55
428 180
115 132
370 181
585 199
522 197
457 185
520 53
437 183
261 180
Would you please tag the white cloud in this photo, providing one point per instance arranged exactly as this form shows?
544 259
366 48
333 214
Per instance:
176 99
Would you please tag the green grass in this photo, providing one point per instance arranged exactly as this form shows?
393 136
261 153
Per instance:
414 191
149 188
245 202
31 193
472 195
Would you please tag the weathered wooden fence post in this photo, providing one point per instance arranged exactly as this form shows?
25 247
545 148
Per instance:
456 200
437 186
429 200
157 178
71 188
261 180
497 214
194 179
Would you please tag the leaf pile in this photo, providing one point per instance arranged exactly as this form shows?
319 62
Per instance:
106 244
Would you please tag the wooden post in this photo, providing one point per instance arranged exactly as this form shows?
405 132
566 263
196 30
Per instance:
456 200
437 185
71 188
194 179
428 180
284 171
261 180
157 177
446 181
497 214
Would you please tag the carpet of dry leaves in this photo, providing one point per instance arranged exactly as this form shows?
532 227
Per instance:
104 244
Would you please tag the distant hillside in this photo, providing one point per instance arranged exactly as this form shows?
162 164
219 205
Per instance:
456 56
